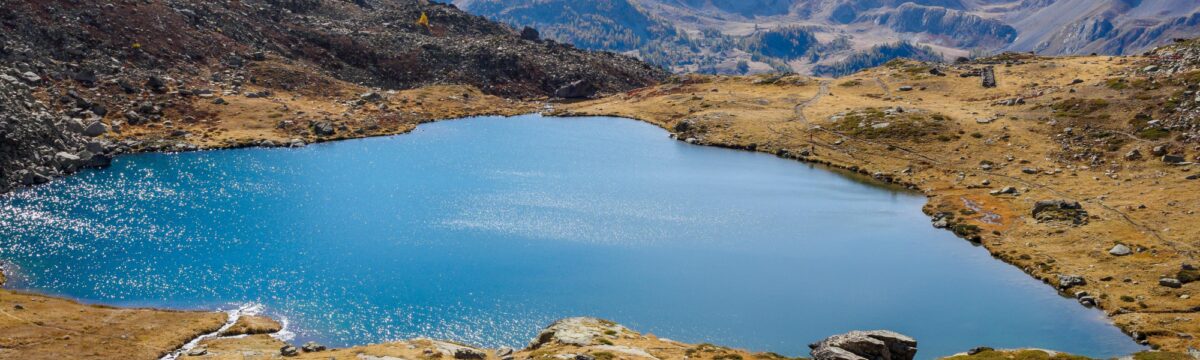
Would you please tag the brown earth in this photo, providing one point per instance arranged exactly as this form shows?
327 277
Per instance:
42 327
948 127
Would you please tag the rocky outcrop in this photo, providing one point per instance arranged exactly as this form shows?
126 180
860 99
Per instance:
577 331
865 345
1060 211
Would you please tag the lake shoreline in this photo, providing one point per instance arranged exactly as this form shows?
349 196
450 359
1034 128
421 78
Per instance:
854 169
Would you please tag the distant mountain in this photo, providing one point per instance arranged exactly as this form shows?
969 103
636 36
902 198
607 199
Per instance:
735 36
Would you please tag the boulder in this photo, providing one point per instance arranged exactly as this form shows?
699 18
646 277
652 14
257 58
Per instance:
1159 150
865 345
156 84
323 128
577 89
95 129
576 331
289 351
1120 250
1170 282
86 77
530 34
312 346
1070 281
1059 211
31 78
371 97
1133 155
1173 159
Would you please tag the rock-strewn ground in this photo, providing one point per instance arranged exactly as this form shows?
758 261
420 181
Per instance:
1078 170
81 81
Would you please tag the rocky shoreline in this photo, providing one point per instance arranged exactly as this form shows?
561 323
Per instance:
1034 217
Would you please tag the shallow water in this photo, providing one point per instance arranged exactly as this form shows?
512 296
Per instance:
484 230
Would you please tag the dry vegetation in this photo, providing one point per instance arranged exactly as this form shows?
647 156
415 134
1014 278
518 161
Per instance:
1054 129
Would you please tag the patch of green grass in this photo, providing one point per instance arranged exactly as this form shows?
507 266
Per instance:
1127 298
1017 355
1154 133
610 332
727 357
1074 108
603 355
874 123
605 342
1161 355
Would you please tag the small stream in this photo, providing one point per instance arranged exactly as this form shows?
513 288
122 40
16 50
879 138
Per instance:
484 230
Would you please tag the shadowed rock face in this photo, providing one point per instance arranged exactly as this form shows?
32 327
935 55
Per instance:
966 30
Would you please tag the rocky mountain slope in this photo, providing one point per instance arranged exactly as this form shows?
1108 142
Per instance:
711 31
78 75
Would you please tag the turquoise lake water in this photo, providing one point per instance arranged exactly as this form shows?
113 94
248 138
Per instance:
485 230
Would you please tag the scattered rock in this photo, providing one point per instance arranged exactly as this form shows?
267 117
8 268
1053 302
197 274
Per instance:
289 351
95 129
1170 282
312 346
1059 211
323 128
1133 155
1159 150
1173 159
199 351
371 97
1120 250
1070 281
1007 190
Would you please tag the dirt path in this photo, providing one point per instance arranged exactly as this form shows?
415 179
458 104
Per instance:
824 89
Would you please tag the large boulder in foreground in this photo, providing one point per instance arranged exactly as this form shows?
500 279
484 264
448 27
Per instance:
865 345
576 331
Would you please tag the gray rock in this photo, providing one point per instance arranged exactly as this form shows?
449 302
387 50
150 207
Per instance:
95 129
1007 190
869 345
1120 250
289 351
323 128
31 78
1133 155
1173 159
312 346
371 97
1070 281
200 351
1159 150
906 88
1170 282
577 89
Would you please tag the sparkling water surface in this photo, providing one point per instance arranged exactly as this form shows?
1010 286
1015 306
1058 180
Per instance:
484 230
